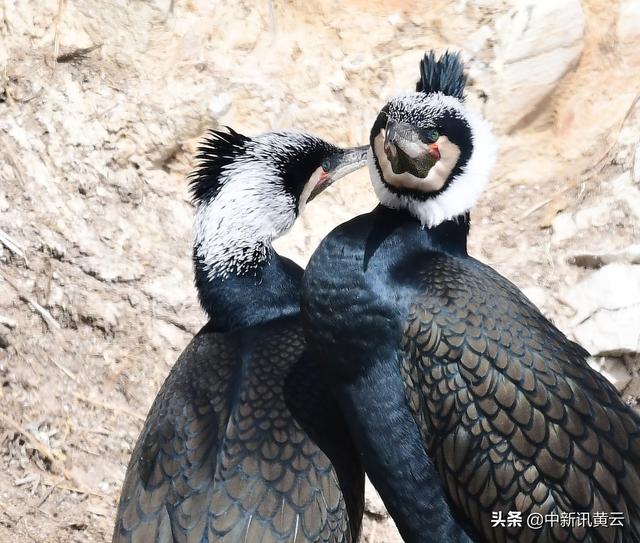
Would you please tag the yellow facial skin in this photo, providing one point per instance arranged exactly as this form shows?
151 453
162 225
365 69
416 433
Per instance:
435 179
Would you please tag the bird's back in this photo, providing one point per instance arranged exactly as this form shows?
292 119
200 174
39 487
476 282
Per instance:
513 415
354 305
222 458
508 409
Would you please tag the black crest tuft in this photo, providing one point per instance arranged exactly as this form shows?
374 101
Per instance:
445 75
216 151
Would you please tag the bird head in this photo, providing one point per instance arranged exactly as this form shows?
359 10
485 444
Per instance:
284 169
429 153
250 190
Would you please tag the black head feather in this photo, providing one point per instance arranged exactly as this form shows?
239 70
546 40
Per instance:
285 158
445 75
216 151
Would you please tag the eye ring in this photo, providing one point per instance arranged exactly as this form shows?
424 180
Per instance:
326 165
432 135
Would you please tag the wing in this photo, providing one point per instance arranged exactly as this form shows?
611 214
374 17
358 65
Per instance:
282 485
165 492
222 459
310 399
512 414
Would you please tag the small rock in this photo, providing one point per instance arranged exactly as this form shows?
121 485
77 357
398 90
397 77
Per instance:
337 81
104 487
596 216
100 313
396 20
627 255
7 322
632 392
607 306
128 185
537 295
372 501
610 333
379 531
627 193
112 268
612 287
614 369
563 227
219 105
377 525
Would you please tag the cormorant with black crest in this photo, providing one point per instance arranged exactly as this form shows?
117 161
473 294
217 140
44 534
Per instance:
449 377
243 442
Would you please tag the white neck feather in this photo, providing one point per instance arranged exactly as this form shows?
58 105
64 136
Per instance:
463 190
250 210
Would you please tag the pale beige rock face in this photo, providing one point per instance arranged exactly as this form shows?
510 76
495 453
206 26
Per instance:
628 25
535 44
93 157
607 304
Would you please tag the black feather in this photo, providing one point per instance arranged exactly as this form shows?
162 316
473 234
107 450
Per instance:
216 151
445 75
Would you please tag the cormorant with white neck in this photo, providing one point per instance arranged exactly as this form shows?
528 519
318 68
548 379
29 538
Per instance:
243 442
449 377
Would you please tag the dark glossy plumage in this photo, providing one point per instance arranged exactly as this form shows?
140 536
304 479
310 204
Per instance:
244 442
507 407
446 74
510 410
215 153
354 305
221 457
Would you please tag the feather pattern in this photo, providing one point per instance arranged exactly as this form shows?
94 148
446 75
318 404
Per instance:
247 191
511 412
469 181
223 458
445 75
240 444
508 409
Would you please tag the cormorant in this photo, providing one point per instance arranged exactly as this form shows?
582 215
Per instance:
437 355
243 443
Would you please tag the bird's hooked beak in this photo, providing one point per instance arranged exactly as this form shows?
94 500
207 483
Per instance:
406 151
341 163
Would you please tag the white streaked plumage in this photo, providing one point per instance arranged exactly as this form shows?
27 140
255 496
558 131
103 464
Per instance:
234 229
463 190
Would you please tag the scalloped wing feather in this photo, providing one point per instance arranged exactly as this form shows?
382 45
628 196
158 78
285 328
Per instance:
226 462
512 414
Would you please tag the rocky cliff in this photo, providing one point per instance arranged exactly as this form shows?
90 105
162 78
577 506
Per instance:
101 103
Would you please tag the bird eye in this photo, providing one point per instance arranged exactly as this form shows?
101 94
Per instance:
326 164
432 135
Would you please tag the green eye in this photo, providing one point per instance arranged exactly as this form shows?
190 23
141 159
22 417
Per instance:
326 164
432 135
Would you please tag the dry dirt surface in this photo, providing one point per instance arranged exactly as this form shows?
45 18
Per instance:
101 103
